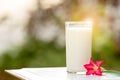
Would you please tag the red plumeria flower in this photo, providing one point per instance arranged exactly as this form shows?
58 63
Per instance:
93 68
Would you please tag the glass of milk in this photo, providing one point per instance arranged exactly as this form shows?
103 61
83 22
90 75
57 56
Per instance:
78 45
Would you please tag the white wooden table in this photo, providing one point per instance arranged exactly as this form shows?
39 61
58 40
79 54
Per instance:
57 74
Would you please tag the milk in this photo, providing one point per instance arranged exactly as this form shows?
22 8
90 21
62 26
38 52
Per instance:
78 45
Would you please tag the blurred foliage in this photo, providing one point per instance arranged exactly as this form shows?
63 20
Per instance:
34 54
104 48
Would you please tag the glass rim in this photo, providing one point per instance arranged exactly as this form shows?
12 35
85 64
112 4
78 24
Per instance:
82 24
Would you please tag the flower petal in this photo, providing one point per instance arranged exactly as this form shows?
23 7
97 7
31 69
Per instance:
90 72
98 63
98 72
88 66
92 62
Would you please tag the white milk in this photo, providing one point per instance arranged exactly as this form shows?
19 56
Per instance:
78 45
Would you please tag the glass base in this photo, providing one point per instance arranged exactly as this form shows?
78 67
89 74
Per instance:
71 72
80 72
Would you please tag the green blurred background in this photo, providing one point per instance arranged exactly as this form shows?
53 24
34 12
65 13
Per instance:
32 32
